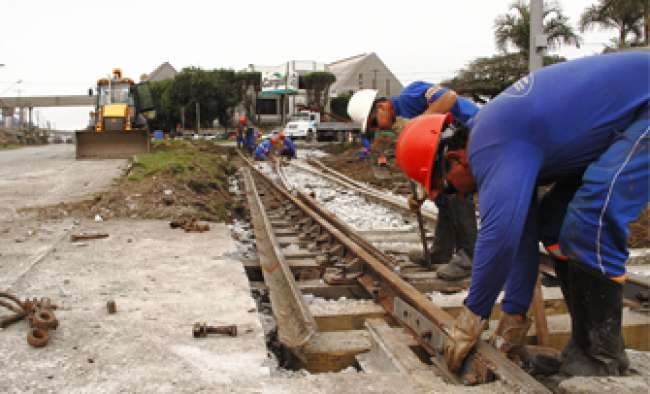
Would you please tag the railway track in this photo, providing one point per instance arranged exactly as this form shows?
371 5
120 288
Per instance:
377 312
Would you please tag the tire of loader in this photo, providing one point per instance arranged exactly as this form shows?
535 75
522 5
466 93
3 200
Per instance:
111 144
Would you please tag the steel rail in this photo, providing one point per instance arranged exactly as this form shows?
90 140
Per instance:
391 291
371 193
636 288
296 325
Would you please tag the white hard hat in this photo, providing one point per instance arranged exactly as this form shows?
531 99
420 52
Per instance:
360 105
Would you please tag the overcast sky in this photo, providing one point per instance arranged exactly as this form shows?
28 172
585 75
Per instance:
62 47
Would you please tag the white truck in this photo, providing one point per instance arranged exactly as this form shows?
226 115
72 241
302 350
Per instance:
307 125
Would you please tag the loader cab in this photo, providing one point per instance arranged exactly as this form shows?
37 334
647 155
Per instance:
114 92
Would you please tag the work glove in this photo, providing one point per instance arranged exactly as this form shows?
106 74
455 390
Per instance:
510 335
464 334
414 205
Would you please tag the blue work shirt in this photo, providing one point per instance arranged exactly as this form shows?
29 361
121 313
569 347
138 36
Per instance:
263 148
289 147
553 122
414 99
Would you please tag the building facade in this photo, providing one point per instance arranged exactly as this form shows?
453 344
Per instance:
282 91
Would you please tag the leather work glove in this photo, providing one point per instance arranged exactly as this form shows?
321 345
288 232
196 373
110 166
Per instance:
510 336
465 333
414 205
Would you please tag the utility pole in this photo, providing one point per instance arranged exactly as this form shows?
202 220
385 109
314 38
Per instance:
198 117
538 41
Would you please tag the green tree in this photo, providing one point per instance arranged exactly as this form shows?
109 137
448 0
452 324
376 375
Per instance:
217 92
628 17
489 76
339 104
513 29
318 84
166 117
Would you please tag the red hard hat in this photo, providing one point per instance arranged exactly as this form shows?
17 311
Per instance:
417 146
281 136
274 140
242 120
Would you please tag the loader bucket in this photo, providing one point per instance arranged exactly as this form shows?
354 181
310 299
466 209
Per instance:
111 144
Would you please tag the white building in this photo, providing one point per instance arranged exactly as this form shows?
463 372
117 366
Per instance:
282 85
364 71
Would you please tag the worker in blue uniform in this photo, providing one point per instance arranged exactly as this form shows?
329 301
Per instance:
249 140
581 126
455 232
288 148
264 149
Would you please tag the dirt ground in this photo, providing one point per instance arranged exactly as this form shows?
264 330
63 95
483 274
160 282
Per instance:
345 159
178 180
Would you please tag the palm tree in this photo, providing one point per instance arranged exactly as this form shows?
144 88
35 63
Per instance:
513 28
629 17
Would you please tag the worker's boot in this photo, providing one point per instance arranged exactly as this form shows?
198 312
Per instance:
460 267
510 336
598 348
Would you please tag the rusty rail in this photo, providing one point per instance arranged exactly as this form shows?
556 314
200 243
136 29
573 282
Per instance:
295 323
406 304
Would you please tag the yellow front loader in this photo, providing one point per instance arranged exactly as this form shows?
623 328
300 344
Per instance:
117 129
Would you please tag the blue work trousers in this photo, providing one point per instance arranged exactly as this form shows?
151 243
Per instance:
586 217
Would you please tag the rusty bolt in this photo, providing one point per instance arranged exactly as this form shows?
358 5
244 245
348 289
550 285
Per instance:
111 307
201 330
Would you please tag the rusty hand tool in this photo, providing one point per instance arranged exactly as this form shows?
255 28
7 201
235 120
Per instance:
423 235
201 330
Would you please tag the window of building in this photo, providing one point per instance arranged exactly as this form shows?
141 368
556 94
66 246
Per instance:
267 106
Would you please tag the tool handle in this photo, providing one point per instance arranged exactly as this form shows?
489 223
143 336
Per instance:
423 235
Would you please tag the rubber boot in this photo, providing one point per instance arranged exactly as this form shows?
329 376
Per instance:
598 348
460 267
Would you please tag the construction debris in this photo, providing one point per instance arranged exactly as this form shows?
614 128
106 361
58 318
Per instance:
111 307
190 225
87 236
201 330
39 314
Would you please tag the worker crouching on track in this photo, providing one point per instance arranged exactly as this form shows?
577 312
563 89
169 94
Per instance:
455 232
265 149
288 148
582 125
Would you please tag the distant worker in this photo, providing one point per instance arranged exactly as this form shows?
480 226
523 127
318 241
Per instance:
249 140
265 149
364 152
455 232
288 148
240 131
583 126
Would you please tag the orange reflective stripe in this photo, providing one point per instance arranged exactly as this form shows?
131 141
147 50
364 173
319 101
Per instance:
619 279
555 251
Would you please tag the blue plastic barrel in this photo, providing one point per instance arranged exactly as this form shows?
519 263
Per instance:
158 135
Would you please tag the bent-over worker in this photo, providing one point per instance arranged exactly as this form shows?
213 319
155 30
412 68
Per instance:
455 232
582 125
288 148
265 149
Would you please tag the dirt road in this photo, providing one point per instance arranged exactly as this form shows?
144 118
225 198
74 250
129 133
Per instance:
42 175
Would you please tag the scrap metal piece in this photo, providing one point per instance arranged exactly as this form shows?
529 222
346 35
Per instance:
87 236
201 330
38 337
44 319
